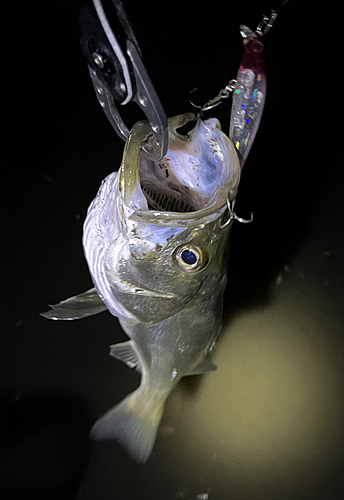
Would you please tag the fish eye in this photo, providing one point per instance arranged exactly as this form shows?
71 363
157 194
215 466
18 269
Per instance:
190 258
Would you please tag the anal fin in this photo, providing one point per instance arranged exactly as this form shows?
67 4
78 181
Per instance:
205 366
125 352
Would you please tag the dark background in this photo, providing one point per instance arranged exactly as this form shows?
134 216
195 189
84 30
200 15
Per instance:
58 146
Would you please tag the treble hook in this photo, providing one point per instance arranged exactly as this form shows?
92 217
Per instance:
233 215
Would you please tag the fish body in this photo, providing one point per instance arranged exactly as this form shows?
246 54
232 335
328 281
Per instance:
156 242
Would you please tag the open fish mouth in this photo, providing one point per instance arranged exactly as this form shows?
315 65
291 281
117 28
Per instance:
195 167
159 200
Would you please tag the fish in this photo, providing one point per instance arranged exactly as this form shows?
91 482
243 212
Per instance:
156 242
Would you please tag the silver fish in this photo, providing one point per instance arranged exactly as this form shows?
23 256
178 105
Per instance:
155 239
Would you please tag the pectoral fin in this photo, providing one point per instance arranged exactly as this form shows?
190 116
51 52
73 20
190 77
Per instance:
125 351
80 306
205 366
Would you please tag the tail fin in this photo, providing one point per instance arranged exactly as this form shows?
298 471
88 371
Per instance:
134 423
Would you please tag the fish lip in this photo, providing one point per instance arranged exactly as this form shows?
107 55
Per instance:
180 219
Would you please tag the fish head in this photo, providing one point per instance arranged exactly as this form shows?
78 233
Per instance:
172 247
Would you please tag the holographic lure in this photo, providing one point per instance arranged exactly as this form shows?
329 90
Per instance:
248 95
249 92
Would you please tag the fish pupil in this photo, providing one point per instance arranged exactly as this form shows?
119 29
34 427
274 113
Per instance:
189 257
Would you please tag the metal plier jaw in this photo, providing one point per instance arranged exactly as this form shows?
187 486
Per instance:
118 74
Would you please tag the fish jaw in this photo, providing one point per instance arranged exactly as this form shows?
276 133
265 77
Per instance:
198 174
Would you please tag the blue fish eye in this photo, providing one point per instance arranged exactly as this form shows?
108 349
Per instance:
190 258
